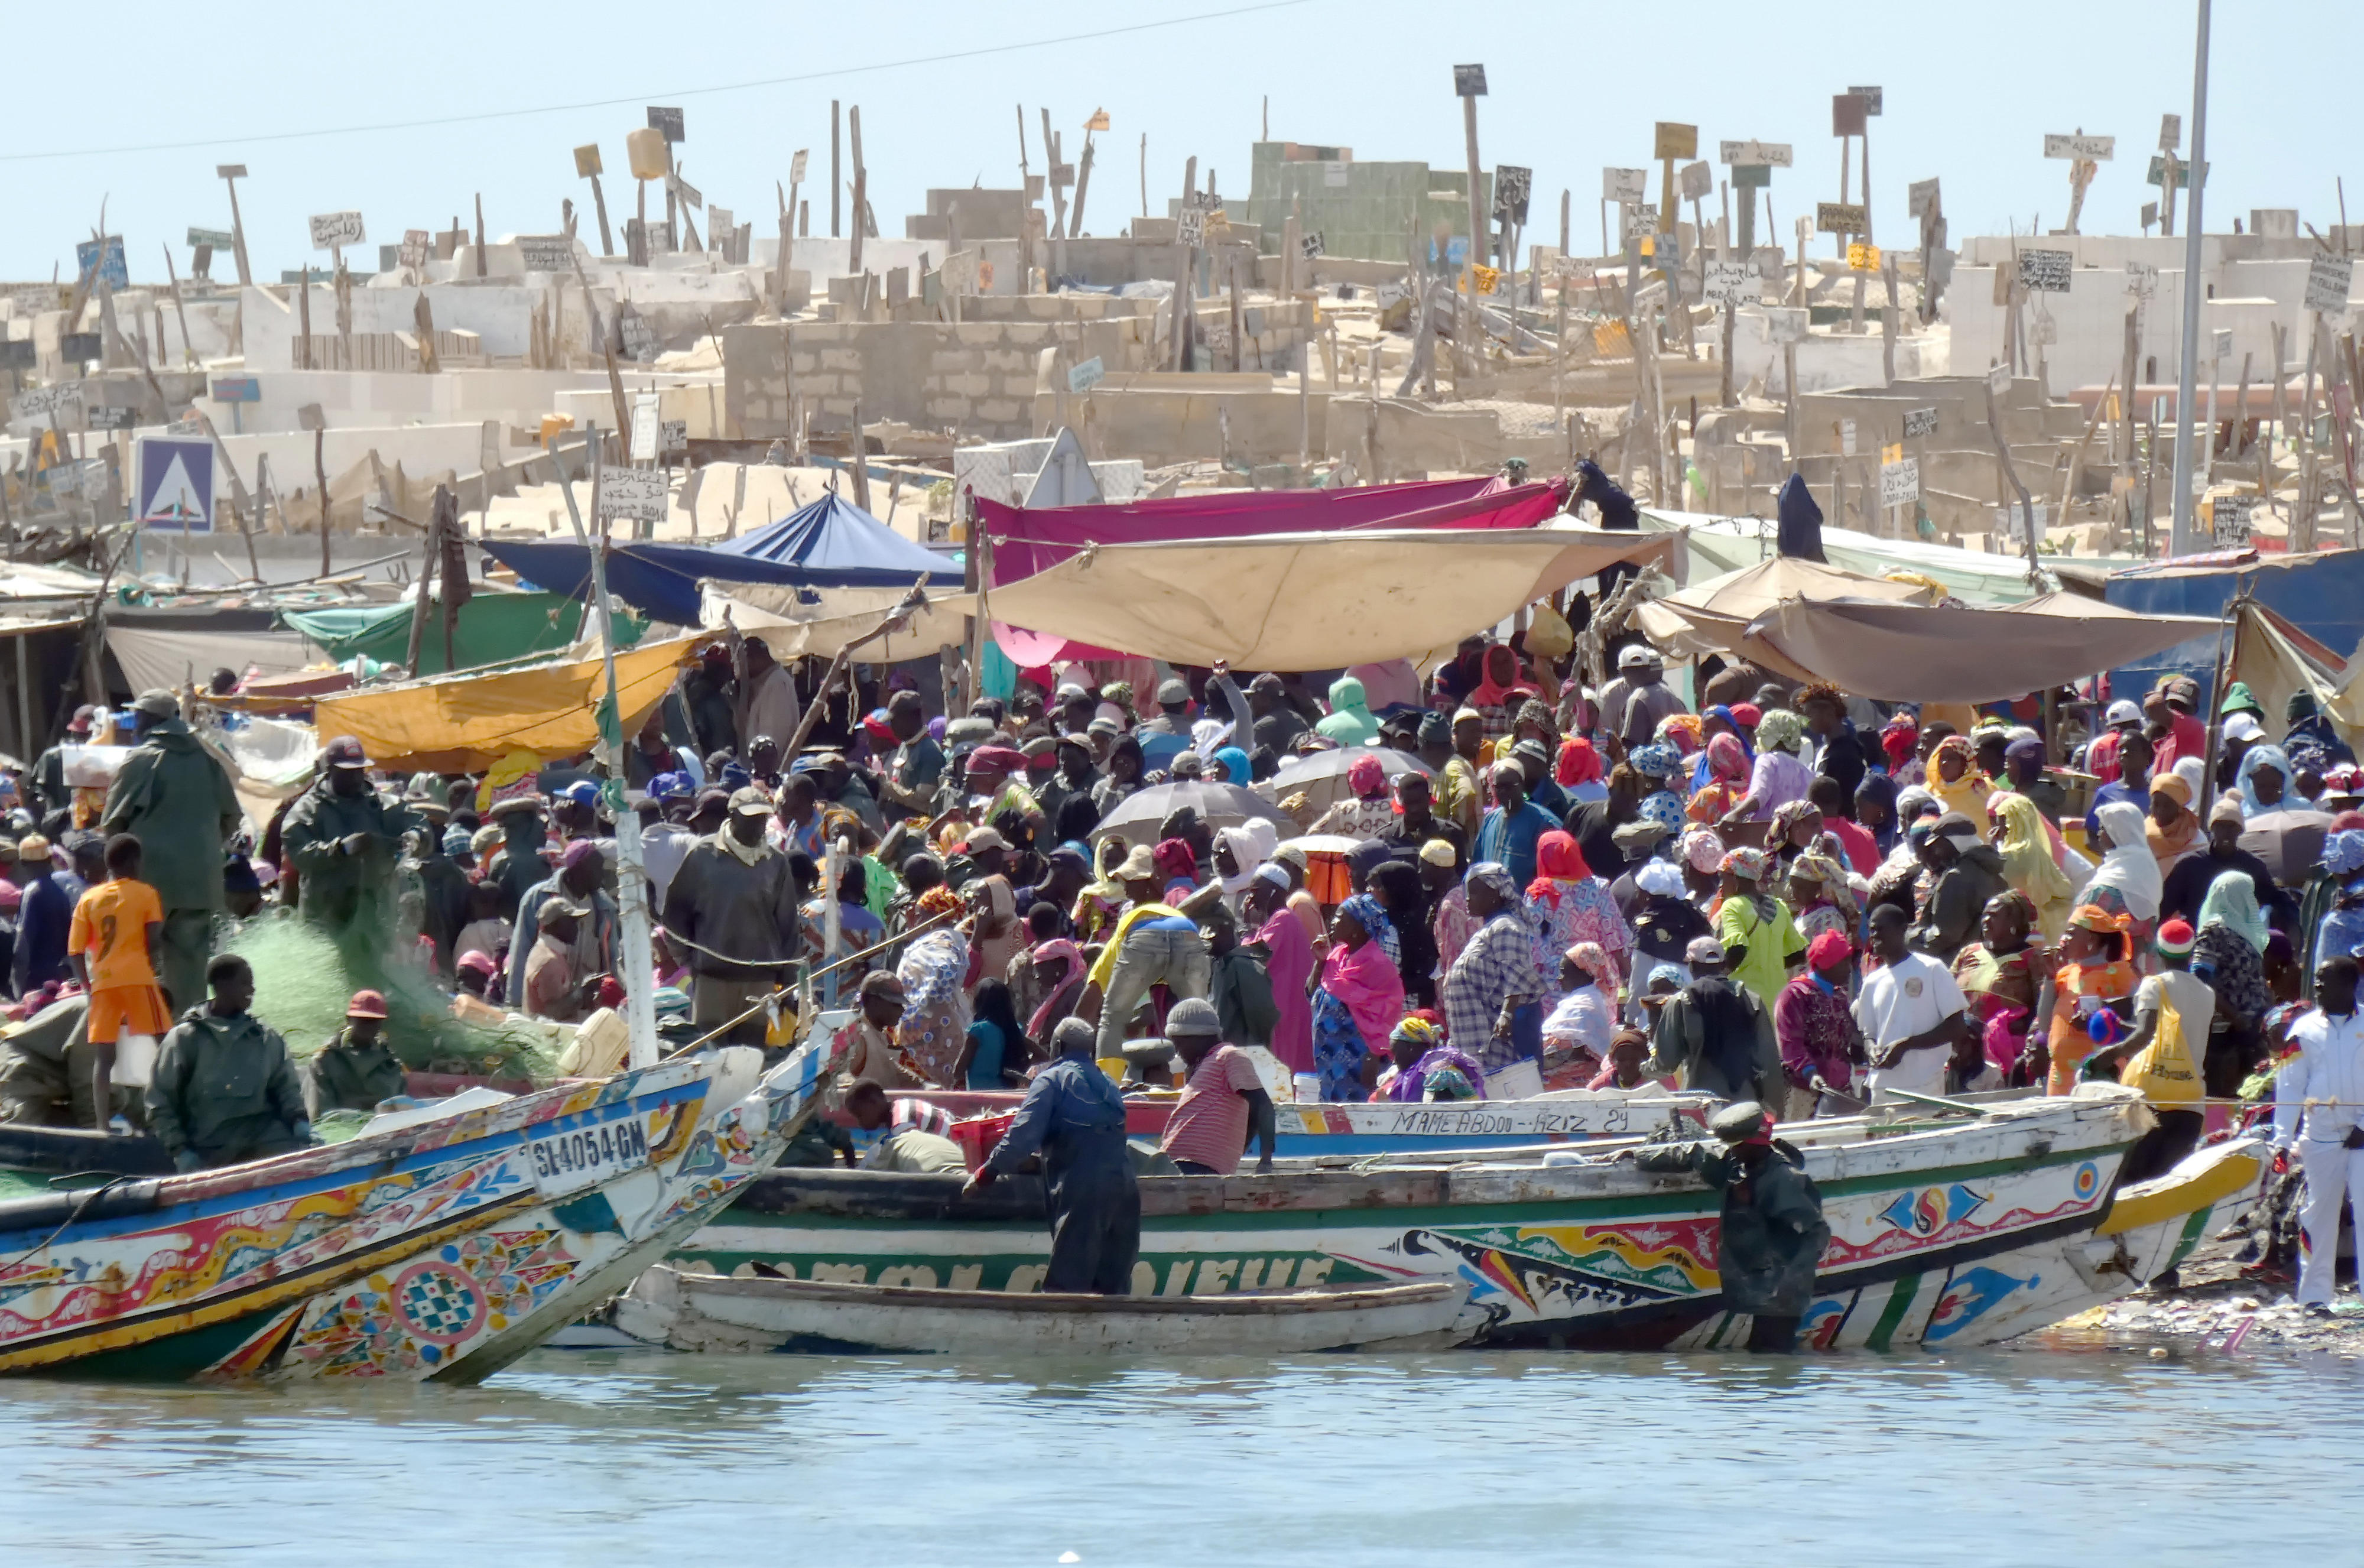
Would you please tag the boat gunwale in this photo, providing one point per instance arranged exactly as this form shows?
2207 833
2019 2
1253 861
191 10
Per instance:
1347 1296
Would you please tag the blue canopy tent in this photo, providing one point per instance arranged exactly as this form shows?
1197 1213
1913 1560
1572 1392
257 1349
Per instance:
831 543
2321 594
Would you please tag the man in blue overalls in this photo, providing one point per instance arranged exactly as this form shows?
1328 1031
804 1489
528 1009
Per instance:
1074 1116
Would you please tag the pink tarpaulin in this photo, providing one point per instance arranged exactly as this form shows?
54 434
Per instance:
1026 542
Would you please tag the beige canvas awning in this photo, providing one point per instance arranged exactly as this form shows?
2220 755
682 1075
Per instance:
1933 653
1308 601
1709 616
775 615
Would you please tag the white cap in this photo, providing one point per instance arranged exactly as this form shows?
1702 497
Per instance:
1638 656
2124 712
2242 726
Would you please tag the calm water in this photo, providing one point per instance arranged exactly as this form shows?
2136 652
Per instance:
2028 1456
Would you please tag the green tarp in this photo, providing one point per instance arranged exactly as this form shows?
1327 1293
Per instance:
494 628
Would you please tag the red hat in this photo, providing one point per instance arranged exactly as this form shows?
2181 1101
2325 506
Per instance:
2176 937
366 1005
1746 714
1828 951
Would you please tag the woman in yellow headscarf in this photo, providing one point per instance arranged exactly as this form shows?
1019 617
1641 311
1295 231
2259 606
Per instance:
2027 863
1956 781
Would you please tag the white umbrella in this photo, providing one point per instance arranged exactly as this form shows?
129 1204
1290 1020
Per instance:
1322 774
1136 816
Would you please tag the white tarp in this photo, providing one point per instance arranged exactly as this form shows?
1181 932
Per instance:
175 659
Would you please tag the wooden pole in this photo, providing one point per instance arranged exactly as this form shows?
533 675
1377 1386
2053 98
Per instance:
1144 173
236 228
861 190
426 581
188 351
1186 278
1083 189
1465 302
836 175
320 477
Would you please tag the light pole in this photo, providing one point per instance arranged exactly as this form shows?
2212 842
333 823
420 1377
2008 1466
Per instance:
2181 542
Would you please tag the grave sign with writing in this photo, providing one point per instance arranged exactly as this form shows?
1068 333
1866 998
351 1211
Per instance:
1872 97
1732 282
586 160
1900 482
30 299
1696 181
2170 132
417 245
112 271
1641 222
2328 279
41 402
687 193
2085 148
1847 437
1920 422
1863 258
638 493
333 230
2045 271
1084 377
1627 185
1921 198
721 221
1774 154
1469 81
644 445
1511 184
1839 217
215 239
667 122
2228 518
113 417
673 437
2183 178
2142 279
640 340
1309 246
546 252
1999 379
1787 324
797 167
1190 227
1674 140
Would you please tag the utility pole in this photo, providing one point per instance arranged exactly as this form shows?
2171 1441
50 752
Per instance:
2179 541
1469 83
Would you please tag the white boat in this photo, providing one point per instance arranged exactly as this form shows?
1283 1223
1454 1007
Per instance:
691 1310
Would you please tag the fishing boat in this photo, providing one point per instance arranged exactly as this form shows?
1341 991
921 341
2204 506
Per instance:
439 1247
1956 1225
694 1310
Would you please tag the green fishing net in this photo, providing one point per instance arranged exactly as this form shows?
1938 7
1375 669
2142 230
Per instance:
303 981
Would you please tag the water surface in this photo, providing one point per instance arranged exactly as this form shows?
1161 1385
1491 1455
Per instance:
2059 1453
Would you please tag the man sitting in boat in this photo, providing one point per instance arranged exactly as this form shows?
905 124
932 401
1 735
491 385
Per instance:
1074 1117
225 1089
1772 1233
905 1147
356 1069
1223 1102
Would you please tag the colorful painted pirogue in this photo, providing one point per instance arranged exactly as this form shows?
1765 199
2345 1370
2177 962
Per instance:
444 1248
1945 1232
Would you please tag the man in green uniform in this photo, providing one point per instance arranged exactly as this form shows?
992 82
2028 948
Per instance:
357 1069
345 840
1773 1232
177 799
225 1090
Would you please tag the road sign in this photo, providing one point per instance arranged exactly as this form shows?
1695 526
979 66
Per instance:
635 492
668 122
1774 154
176 484
112 271
2088 149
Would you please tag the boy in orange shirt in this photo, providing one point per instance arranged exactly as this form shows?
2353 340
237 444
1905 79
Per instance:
113 942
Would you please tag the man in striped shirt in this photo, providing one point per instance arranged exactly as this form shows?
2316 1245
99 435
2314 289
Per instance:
1223 1102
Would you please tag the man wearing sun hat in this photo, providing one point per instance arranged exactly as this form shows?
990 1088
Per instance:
356 1068
344 840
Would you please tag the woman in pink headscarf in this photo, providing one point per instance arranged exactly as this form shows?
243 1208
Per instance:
1289 963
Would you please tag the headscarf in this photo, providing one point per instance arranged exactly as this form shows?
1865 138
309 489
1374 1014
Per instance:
1580 763
1236 767
1779 730
1496 876
938 900
1898 738
2168 845
2128 868
1659 879
1656 761
1785 817
1745 863
1591 957
2028 867
1826 874
1175 858
1558 862
1373 916
1953 746
1366 776
1063 951
1493 689
1726 761
2272 757
1701 772
1703 849
1878 789
1251 843
1535 712
2231 902
1683 732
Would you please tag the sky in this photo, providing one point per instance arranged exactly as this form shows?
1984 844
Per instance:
1969 92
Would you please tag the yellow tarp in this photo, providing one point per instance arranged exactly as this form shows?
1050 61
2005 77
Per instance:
468 721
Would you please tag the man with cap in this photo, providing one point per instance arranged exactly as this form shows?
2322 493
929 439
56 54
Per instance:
554 983
224 1088
1718 1035
1223 1102
176 800
1074 1116
2123 718
44 912
1534 759
1276 723
1637 846
866 1043
46 787
1513 827
1153 942
2171 705
582 868
1415 821
1167 734
732 914
1772 1233
1071 755
1632 704
444 885
2319 1115
915 770
1073 713
357 1069
524 831
1967 872
345 839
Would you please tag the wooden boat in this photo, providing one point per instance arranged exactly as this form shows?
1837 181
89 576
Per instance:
445 1248
1951 1227
702 1311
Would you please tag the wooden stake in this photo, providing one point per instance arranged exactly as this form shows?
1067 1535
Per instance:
836 175
321 475
861 190
1186 278
480 234
188 351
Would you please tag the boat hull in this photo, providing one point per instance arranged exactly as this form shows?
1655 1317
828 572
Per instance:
1936 1233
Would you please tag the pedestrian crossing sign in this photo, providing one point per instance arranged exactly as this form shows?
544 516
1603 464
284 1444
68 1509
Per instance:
176 483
